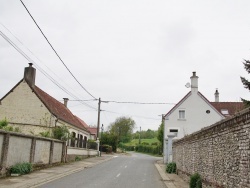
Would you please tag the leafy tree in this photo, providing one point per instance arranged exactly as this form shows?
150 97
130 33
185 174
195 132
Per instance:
123 128
245 82
160 133
109 139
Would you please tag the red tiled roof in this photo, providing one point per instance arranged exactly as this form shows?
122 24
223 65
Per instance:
58 109
92 130
232 107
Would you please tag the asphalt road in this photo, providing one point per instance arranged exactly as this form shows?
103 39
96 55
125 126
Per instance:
133 171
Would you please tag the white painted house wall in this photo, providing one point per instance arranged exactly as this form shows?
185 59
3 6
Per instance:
195 116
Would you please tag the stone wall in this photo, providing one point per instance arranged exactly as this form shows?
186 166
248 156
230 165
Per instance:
17 148
220 153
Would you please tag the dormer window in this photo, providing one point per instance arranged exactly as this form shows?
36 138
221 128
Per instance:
224 111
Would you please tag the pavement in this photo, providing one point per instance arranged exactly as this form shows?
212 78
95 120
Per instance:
170 180
40 177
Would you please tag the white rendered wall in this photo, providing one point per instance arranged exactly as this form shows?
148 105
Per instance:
195 116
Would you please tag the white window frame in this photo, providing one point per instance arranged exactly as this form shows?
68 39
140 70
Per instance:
182 114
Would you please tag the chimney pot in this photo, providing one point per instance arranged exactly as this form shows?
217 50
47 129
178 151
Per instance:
194 83
65 102
30 75
216 95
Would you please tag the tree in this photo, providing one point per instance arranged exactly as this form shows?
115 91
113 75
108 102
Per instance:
123 128
160 133
245 82
109 139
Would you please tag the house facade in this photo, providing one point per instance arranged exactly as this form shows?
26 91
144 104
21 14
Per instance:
33 111
194 112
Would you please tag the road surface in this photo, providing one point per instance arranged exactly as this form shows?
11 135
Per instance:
124 171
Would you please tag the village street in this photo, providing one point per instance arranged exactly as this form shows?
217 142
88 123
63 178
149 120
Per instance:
135 170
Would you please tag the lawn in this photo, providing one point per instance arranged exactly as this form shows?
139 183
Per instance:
136 141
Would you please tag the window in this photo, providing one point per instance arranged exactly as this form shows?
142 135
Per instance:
173 130
181 114
224 111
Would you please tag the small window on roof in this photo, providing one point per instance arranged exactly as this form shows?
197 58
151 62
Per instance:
224 111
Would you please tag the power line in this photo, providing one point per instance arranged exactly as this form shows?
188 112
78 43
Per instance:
137 102
68 86
56 52
40 69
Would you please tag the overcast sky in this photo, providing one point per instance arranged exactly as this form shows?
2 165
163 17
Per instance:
128 51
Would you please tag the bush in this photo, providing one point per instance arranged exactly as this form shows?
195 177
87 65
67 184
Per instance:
78 158
21 168
45 134
61 133
171 168
3 123
106 148
195 181
92 144
155 150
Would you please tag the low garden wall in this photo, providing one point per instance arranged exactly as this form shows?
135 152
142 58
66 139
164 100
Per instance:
18 148
220 153
80 152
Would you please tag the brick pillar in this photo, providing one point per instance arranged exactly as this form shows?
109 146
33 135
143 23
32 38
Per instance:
32 150
51 152
5 149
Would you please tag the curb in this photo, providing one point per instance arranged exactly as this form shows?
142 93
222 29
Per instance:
168 182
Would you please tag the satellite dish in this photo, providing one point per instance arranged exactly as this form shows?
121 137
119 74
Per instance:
187 85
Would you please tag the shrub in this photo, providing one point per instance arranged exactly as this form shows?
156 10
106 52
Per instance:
106 148
171 168
78 158
195 181
8 128
92 144
61 133
21 168
45 134
3 123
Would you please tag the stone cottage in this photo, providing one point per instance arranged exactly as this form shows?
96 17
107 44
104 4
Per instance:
33 111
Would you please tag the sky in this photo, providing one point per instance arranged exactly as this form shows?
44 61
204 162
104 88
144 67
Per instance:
127 51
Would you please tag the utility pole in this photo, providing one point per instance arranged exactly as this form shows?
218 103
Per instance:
98 119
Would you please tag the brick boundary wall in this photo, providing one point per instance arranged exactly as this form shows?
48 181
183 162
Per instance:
220 153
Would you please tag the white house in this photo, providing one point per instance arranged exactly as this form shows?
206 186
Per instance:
194 112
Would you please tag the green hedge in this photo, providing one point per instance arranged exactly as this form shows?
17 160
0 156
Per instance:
152 149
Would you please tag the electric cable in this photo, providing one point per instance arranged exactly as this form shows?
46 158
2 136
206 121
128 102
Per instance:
56 52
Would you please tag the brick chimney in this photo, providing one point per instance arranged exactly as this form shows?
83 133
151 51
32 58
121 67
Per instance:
65 102
30 75
194 83
216 96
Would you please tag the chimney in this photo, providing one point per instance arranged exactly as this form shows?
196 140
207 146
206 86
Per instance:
216 95
65 102
194 83
30 75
